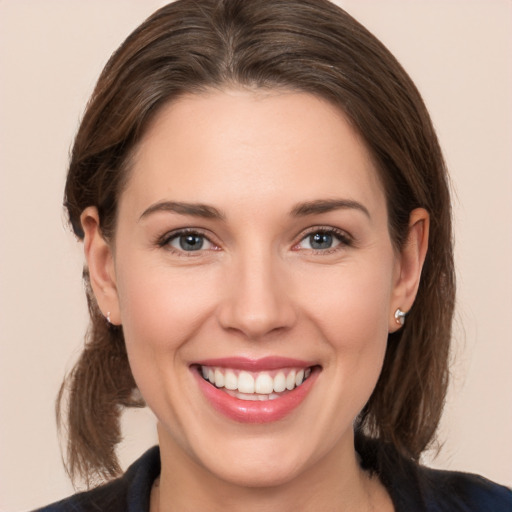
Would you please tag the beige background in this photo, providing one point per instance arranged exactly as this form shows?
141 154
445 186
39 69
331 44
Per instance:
460 54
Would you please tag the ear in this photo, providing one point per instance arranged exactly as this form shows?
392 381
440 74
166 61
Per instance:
409 265
100 261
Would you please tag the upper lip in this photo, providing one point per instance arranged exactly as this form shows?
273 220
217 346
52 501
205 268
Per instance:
255 365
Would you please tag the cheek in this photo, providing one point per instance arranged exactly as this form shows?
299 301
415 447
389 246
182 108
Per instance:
351 310
353 303
160 311
160 306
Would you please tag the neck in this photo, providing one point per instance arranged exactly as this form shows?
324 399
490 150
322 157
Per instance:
335 482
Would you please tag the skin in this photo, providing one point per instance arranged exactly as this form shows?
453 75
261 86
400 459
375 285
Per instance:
257 288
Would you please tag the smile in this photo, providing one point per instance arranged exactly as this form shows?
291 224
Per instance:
255 385
255 391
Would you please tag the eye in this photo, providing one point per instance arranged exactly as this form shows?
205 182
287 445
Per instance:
187 241
324 240
319 241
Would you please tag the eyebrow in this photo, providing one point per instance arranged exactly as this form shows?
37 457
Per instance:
327 205
194 209
210 212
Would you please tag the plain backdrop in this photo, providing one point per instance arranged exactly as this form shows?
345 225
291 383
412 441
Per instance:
459 52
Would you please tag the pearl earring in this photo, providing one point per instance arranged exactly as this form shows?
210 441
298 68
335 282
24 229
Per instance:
400 317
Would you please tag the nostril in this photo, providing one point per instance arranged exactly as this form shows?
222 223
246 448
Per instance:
256 320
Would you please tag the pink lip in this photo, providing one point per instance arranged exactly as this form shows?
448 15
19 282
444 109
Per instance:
246 411
256 365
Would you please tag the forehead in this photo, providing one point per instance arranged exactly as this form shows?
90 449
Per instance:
251 144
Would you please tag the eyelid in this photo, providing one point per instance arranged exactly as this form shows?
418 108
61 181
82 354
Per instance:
345 239
163 240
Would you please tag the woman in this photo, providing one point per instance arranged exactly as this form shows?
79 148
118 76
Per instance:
266 222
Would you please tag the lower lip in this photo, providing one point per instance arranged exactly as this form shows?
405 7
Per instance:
246 411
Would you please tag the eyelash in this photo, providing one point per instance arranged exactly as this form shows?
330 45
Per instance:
344 239
165 240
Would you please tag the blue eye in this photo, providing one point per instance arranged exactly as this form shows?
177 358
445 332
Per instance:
188 242
191 242
320 241
323 240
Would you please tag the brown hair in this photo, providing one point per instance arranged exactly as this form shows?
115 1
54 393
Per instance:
306 45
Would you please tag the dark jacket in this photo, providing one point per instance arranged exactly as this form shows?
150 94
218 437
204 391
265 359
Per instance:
413 488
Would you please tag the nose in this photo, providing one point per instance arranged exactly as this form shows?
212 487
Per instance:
257 301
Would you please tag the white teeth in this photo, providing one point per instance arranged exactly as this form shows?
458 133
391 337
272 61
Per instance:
290 381
259 384
219 378
264 384
253 397
245 383
230 380
279 382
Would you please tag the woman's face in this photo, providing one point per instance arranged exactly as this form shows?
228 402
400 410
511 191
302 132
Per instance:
252 249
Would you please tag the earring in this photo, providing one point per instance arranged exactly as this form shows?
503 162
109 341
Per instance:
108 317
400 317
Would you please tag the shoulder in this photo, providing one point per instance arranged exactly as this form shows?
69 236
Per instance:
128 493
450 491
111 497
416 487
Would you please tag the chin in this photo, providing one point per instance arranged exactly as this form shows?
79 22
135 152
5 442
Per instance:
258 461
262 474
